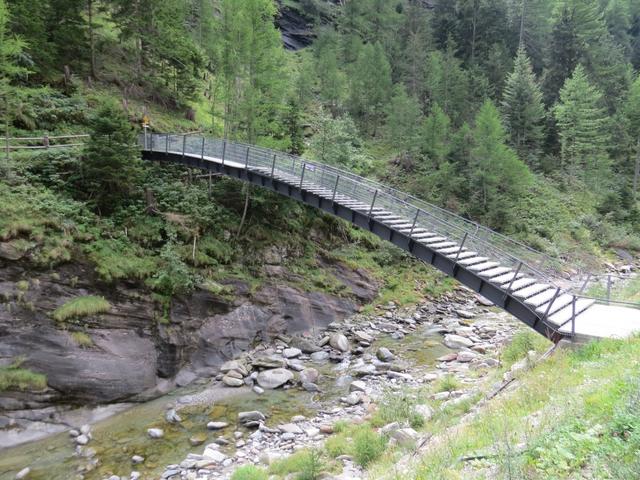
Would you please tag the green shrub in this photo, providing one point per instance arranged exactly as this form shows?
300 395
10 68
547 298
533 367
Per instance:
118 259
398 407
337 445
249 472
292 464
448 383
521 343
312 466
368 446
81 307
82 339
13 377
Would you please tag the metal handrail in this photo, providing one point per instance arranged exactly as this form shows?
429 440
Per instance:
419 214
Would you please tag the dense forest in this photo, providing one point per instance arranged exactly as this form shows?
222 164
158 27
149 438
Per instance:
521 114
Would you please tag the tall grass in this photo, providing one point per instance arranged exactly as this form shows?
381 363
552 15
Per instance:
81 307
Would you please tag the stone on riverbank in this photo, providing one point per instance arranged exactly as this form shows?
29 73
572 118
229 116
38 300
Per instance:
339 342
230 381
155 433
217 425
274 378
456 341
252 418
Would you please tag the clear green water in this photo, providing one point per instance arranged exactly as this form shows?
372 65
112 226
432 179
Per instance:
118 438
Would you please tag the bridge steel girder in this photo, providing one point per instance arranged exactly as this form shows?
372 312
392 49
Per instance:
447 265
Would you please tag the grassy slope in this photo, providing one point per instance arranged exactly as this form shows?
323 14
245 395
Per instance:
572 416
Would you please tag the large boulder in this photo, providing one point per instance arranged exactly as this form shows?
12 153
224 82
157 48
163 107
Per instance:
339 342
274 378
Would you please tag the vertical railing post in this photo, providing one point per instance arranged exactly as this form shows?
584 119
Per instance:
515 277
202 154
273 165
166 144
184 145
415 220
553 299
373 202
246 160
573 317
224 150
609 289
584 285
304 167
464 239
151 147
335 189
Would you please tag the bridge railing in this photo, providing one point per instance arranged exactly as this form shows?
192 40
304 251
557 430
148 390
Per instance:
420 214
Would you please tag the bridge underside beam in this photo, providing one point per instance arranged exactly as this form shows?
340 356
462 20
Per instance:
439 260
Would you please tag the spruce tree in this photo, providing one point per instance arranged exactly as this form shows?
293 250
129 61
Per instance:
582 126
404 119
497 177
111 161
632 123
11 48
523 110
370 87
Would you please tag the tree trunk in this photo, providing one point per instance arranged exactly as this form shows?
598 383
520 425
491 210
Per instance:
636 173
522 22
92 42
246 208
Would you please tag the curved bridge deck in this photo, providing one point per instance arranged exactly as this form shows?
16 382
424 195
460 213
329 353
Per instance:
511 275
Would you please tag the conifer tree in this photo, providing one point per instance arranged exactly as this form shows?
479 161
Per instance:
111 163
10 48
370 87
497 177
523 111
404 119
582 125
632 123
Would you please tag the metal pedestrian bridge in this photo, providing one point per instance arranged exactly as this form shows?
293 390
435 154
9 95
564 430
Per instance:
524 282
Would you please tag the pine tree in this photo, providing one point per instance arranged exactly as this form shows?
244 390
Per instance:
251 62
404 119
111 163
632 123
497 177
370 87
448 84
436 137
523 110
582 125
10 49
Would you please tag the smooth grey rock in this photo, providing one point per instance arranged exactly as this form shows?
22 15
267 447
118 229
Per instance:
232 382
466 356
354 398
407 437
339 342
23 473
358 386
185 377
310 387
290 428
257 389
172 416
137 459
425 411
155 432
364 370
274 378
82 439
214 455
320 356
309 375
385 355
465 314
252 416
217 425
291 352
456 341
268 361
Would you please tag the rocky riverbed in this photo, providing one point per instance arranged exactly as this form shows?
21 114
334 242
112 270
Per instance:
286 395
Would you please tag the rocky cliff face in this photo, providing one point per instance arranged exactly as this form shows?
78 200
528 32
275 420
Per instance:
135 355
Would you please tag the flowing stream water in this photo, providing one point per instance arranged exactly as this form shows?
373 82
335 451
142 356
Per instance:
116 439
